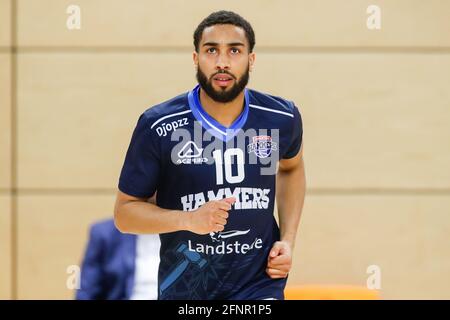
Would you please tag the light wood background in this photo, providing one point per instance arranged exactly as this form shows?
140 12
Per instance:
375 104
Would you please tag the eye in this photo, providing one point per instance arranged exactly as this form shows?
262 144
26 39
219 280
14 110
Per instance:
235 50
211 50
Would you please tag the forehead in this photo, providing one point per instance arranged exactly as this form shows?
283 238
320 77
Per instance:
223 34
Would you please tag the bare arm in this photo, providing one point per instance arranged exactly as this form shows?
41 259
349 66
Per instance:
291 187
138 216
290 195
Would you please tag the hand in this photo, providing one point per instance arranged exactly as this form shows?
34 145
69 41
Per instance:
279 262
210 217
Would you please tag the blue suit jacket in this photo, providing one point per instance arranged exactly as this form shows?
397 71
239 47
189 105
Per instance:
107 271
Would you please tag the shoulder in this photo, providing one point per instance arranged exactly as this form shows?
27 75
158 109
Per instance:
271 105
166 112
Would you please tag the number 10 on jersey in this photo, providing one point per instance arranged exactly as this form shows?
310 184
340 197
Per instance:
225 161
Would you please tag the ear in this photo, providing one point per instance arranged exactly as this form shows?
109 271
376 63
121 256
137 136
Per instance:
251 61
195 59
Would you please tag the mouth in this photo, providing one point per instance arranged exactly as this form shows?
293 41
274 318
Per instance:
222 80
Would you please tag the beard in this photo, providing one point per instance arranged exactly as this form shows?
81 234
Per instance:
223 95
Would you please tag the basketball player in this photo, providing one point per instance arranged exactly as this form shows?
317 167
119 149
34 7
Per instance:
218 156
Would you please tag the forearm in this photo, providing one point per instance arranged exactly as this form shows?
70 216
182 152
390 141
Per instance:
291 187
139 217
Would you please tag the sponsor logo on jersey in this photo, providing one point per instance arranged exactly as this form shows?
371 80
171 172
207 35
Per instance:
221 247
165 128
262 146
191 154
235 247
216 236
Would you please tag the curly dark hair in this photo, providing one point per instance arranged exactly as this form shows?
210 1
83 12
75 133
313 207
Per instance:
225 17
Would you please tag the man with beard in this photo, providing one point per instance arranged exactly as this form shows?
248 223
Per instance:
214 156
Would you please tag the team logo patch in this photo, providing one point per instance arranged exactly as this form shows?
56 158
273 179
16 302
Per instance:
262 146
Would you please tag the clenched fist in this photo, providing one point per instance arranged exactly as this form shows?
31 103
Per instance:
279 261
210 217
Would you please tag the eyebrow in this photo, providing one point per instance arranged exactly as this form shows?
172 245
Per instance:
231 44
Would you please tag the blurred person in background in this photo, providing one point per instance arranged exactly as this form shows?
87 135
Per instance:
118 266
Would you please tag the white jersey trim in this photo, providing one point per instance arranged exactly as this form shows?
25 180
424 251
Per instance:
271 110
169 116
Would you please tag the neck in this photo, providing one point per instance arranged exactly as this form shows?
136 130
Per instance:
224 113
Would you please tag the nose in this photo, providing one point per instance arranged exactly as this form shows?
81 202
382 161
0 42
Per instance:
222 62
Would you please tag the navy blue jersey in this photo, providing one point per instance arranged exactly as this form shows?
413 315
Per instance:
189 158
